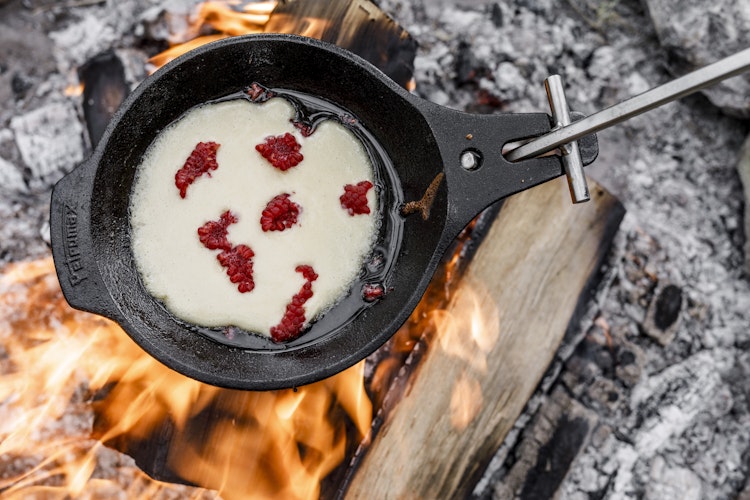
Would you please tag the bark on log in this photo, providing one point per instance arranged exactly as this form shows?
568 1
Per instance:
523 287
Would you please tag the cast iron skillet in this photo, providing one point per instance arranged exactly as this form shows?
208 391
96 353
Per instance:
89 210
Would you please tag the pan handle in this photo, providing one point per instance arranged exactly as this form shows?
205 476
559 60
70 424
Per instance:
72 248
476 172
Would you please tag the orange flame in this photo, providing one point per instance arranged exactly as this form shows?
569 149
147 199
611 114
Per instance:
73 90
226 18
61 368
468 331
460 321
66 376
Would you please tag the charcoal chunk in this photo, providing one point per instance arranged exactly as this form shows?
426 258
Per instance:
668 305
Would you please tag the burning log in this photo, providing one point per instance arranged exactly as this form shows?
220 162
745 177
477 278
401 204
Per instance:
357 25
491 347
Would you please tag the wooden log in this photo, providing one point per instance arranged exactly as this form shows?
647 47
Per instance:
496 339
357 25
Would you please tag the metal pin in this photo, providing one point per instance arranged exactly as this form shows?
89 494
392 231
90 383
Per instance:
571 156
470 160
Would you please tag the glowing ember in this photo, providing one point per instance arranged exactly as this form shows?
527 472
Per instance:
60 369
73 90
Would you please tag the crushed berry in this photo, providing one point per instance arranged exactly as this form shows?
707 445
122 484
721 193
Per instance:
213 234
237 259
307 272
282 151
259 93
354 199
291 324
280 213
347 119
239 263
305 128
372 292
201 161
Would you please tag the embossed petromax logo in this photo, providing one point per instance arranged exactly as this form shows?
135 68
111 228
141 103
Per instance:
72 251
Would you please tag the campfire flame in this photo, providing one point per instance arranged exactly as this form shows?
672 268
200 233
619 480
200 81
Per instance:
71 382
468 332
61 369
224 18
74 90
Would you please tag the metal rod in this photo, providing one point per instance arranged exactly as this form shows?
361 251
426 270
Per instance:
571 155
658 96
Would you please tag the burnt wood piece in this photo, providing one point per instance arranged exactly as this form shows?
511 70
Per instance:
550 443
356 25
104 89
540 257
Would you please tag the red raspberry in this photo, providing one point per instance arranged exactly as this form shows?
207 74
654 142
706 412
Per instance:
239 263
259 93
305 128
291 324
282 151
354 199
238 260
280 213
213 234
307 272
200 161
372 292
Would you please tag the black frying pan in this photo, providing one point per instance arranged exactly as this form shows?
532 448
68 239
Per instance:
89 210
